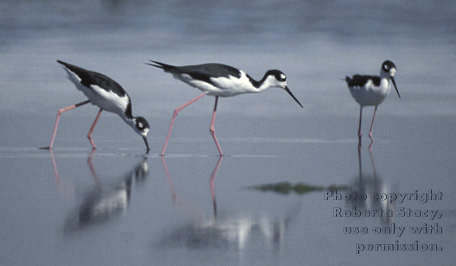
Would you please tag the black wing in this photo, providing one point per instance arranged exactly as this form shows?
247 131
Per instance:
203 72
361 80
89 78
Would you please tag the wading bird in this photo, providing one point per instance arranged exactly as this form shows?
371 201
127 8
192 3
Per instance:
105 93
220 80
372 90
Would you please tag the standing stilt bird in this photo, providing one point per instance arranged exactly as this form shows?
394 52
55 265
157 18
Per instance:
220 80
372 90
105 93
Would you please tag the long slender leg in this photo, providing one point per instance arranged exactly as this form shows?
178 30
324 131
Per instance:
372 125
176 111
59 112
360 135
212 128
89 135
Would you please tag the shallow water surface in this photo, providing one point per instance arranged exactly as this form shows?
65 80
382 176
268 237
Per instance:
119 206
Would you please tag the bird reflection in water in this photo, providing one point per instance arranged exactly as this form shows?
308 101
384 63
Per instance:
221 231
370 185
104 201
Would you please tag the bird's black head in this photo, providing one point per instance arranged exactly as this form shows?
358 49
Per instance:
277 74
388 65
142 127
389 69
276 78
142 124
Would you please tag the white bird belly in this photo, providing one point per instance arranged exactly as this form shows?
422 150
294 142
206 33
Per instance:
221 86
370 94
106 100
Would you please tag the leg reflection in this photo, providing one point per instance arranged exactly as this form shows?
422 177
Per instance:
64 188
370 185
228 229
183 204
92 169
212 182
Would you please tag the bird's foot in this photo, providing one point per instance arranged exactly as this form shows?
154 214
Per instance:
371 136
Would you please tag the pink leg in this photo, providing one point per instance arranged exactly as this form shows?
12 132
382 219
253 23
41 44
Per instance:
212 129
176 111
59 112
89 135
372 125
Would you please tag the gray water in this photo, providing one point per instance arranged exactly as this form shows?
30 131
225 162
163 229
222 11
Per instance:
118 206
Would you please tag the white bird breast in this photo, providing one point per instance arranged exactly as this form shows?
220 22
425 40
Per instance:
370 94
232 86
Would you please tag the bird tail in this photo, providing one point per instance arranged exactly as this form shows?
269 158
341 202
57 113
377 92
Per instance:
163 66
64 64
74 72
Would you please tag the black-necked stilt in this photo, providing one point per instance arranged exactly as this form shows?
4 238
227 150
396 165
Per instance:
220 81
372 90
105 93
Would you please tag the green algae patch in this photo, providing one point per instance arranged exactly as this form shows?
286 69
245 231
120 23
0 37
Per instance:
298 188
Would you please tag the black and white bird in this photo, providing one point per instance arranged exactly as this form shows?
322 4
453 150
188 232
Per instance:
105 93
220 80
372 90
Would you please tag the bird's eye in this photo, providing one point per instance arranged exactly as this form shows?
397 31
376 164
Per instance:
141 123
282 77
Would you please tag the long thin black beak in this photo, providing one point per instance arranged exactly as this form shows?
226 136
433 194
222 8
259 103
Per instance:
394 83
147 144
291 94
